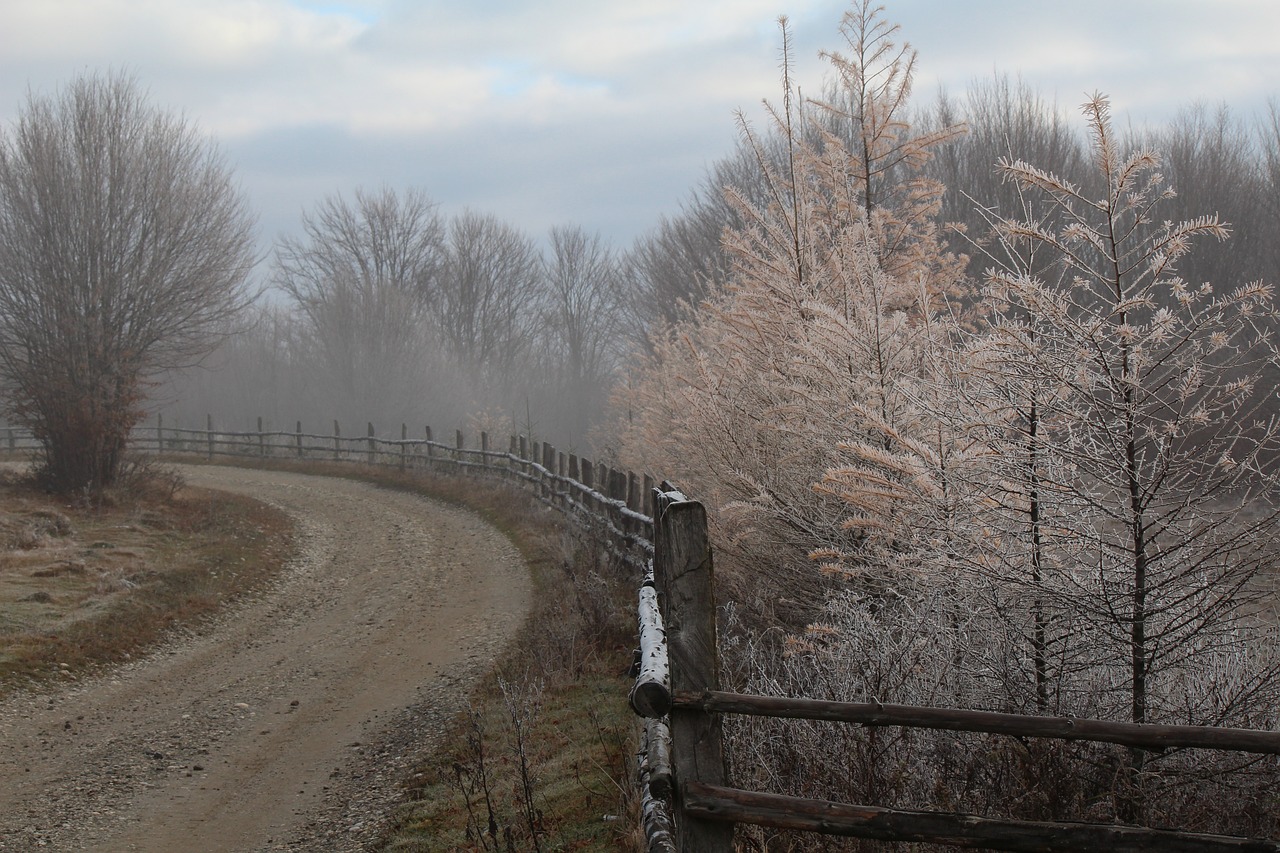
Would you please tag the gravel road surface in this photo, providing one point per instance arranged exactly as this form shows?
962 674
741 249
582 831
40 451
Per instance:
287 723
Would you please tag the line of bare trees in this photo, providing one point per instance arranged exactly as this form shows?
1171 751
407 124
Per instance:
389 310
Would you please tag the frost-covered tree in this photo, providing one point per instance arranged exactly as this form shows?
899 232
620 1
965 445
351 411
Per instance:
1158 450
834 272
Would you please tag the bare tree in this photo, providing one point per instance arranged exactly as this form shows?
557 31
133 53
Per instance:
124 250
363 279
489 296
582 322
1004 117
1211 156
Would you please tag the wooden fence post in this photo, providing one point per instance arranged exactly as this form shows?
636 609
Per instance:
549 467
262 439
683 575
209 432
337 441
404 448
459 442
299 436
430 449
373 452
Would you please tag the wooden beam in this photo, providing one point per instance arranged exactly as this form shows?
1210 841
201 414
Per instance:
1144 735
651 694
712 802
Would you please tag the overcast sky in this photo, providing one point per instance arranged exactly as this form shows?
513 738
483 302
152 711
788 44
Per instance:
593 112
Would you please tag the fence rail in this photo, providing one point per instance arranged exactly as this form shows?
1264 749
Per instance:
677 685
687 805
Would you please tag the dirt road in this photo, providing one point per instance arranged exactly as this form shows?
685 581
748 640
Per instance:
286 725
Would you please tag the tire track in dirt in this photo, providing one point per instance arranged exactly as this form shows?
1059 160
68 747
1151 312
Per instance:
286 724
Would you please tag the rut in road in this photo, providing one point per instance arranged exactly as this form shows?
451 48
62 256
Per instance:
284 725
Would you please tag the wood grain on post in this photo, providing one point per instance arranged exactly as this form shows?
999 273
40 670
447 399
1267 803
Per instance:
683 575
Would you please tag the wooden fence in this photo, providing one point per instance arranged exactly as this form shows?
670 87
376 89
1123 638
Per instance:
677 693
687 804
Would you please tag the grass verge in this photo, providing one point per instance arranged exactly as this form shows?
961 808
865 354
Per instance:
84 585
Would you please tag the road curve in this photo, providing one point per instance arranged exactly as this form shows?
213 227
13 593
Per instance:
286 724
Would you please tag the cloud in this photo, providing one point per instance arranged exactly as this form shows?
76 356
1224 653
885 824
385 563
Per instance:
603 113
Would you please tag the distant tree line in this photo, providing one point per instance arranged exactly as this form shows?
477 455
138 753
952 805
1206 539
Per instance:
386 310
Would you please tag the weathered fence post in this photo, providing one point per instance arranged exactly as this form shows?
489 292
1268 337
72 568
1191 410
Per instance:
373 451
299 435
513 453
262 439
484 449
337 441
209 432
430 449
683 575
588 480
458 443
404 448
549 470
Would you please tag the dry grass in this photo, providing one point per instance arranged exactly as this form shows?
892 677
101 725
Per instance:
83 585
563 684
